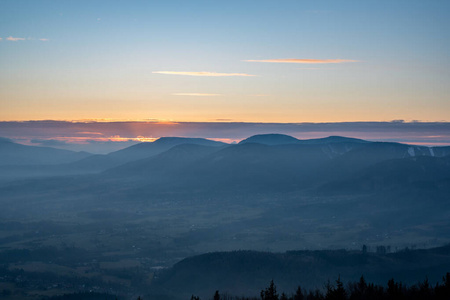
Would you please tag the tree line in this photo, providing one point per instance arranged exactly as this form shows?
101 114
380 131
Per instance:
360 290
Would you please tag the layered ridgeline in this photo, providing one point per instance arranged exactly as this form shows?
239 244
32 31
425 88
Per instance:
261 158
17 154
272 162
18 161
280 186
279 162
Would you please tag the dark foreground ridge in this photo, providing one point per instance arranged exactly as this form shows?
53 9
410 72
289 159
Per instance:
245 272
360 290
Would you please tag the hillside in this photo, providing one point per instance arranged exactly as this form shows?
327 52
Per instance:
247 272
17 154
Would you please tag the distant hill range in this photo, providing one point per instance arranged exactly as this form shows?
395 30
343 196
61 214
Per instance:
280 162
268 162
17 154
282 139
137 152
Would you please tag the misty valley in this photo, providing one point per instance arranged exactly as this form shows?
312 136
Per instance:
188 216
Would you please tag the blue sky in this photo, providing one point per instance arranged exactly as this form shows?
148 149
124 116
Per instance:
72 60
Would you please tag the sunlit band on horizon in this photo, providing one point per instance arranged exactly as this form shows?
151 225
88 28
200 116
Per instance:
205 74
195 94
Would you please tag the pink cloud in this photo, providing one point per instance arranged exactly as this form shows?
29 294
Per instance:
14 39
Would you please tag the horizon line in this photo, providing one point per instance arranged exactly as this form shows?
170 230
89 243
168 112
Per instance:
168 121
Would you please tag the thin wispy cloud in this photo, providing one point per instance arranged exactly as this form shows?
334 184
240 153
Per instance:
303 61
196 94
89 132
14 39
205 74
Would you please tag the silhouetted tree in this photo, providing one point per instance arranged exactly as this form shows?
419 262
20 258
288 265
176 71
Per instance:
298 294
364 249
217 295
358 290
270 293
336 293
443 291
394 290
314 295
381 250
424 289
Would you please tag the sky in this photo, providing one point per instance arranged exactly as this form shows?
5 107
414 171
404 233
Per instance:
225 61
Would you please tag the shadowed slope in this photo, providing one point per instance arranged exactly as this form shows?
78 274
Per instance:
18 154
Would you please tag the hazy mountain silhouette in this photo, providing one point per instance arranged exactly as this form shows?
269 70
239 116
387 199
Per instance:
332 140
276 162
270 139
260 166
144 150
139 151
166 162
412 172
282 139
17 154
257 165
369 154
247 165
20 161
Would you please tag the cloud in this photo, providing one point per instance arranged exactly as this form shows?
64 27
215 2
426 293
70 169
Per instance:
1 39
14 39
44 40
205 74
196 94
303 61
89 133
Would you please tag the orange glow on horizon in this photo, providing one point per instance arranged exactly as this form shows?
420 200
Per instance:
87 139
